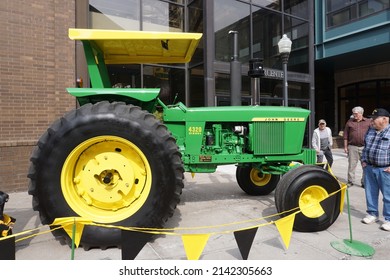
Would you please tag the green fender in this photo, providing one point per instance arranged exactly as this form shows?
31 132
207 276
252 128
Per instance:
146 98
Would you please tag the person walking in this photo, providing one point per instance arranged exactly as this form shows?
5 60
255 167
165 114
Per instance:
354 131
322 142
376 167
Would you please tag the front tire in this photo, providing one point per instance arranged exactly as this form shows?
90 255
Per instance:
304 187
253 182
111 163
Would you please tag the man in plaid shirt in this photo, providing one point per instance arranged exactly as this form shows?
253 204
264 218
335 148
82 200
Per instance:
376 166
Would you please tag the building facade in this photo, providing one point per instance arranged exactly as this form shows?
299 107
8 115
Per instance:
37 63
205 81
338 59
352 58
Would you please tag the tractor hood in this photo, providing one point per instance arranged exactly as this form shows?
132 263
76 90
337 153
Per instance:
235 114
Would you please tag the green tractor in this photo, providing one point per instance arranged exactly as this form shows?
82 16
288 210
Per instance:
115 161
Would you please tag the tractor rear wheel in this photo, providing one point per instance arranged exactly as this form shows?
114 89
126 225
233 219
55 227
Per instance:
303 188
110 163
253 182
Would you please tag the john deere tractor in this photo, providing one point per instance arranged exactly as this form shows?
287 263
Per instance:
115 161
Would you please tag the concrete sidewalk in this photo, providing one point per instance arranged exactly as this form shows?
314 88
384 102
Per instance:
215 199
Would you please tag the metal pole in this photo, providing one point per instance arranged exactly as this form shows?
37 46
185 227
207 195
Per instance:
209 56
256 91
235 73
285 83
255 72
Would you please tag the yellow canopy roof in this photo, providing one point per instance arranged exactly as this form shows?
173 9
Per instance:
131 47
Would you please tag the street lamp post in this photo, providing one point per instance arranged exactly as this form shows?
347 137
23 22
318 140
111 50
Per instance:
284 46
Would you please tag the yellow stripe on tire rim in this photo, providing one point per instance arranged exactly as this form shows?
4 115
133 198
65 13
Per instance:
106 179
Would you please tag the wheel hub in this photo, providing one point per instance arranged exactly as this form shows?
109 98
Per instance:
107 180
104 175
309 201
258 178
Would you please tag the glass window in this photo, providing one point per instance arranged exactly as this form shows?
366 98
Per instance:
271 4
272 90
195 17
298 31
348 91
339 17
196 94
266 34
223 89
170 80
114 14
334 5
222 84
162 16
125 76
231 15
385 88
343 11
298 8
372 6
369 94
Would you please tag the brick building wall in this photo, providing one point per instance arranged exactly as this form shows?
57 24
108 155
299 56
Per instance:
37 63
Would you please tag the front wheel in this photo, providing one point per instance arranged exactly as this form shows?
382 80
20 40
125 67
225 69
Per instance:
305 187
110 163
253 182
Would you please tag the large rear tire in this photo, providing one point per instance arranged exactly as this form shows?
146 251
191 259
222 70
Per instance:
304 187
253 182
111 163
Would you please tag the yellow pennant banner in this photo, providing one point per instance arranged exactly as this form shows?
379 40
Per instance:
68 223
285 228
194 244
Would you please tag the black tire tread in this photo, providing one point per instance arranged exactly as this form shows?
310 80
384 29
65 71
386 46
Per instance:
286 196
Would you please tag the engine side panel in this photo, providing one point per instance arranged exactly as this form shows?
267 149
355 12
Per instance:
228 135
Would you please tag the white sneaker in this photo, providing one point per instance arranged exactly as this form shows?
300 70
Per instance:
370 219
386 226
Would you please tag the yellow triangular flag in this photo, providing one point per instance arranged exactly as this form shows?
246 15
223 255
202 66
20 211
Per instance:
285 227
194 244
68 222
78 232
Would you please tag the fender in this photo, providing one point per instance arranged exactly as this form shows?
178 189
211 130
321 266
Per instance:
146 98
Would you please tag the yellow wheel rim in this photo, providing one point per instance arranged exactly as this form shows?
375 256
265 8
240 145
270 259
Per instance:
309 201
106 179
259 179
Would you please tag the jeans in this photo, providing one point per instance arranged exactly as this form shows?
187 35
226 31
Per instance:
377 180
